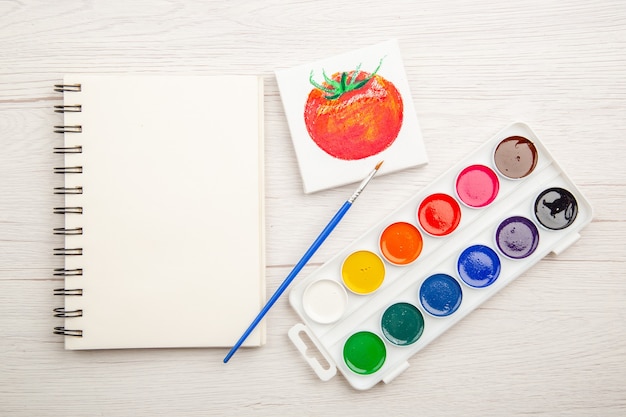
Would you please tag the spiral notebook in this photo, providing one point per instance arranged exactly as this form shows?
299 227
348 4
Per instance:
162 221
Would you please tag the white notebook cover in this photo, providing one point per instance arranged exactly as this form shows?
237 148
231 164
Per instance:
173 219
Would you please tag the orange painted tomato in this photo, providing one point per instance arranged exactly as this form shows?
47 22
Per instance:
353 115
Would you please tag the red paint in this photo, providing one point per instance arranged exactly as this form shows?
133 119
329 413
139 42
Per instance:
355 123
439 214
477 186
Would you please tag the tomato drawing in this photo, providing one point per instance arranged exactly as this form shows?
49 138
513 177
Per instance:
353 115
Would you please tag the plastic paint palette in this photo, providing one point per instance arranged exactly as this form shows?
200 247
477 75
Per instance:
436 258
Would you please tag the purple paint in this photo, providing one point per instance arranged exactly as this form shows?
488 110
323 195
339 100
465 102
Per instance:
517 237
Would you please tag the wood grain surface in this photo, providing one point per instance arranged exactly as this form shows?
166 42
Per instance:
553 343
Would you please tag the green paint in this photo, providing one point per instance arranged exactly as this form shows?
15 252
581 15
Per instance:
364 353
402 324
336 89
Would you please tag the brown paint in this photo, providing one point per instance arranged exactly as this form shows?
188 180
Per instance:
515 157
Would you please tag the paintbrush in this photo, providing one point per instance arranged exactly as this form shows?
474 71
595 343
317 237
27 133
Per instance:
309 253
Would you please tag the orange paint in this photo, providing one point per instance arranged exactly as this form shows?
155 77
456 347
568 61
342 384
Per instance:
401 243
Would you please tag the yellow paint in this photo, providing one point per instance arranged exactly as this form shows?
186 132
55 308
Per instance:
363 272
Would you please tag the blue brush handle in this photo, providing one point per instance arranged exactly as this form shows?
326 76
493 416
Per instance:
296 269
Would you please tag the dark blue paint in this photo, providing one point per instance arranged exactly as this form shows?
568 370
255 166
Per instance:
479 266
440 295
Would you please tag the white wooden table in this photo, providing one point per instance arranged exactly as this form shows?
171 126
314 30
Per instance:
552 343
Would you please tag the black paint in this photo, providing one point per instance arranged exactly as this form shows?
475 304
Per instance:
556 208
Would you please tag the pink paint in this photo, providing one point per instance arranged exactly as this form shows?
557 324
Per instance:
477 186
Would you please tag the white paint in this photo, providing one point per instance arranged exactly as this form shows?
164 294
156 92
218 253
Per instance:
325 301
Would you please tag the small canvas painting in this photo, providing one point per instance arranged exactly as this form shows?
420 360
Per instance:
348 112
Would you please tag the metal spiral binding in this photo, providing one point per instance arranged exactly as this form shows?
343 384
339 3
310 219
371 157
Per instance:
62 272
61 88
68 170
68 149
67 292
75 108
68 231
67 332
62 312
68 251
68 129
68 190
68 210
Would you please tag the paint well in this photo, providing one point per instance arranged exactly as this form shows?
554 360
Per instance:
556 208
439 214
517 237
479 266
364 353
440 295
325 301
402 324
477 186
363 272
401 243
515 157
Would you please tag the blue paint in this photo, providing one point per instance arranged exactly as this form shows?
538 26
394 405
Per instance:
478 266
440 295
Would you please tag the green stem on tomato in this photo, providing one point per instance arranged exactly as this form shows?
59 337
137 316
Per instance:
336 89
